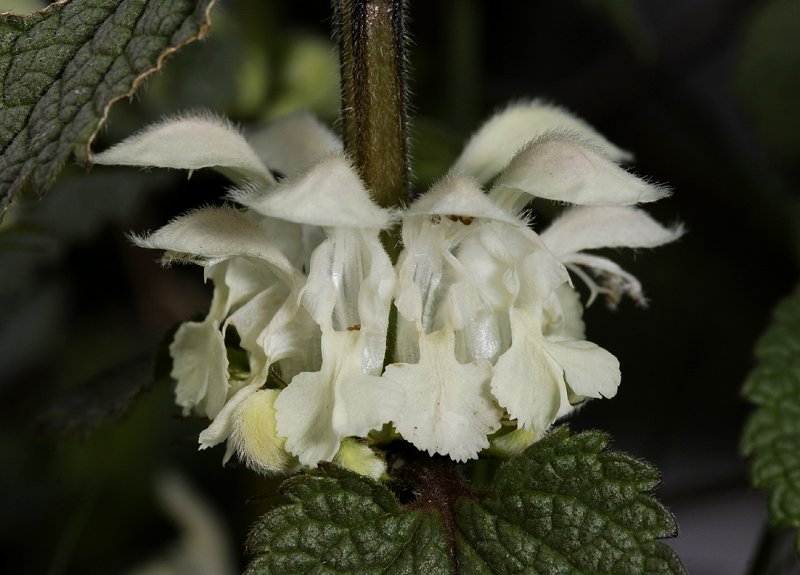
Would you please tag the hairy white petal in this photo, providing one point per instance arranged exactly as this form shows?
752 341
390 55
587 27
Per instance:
359 458
295 241
329 194
190 143
254 435
591 227
318 409
514 442
459 196
565 169
294 142
527 380
200 366
222 426
445 406
491 148
215 233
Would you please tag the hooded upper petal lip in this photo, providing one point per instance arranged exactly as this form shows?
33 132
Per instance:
191 142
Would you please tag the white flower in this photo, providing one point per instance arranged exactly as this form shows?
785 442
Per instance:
490 346
481 287
300 275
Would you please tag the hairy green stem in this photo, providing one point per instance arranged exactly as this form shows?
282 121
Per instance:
371 38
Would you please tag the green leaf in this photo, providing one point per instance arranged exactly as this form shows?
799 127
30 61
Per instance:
61 69
566 506
341 522
771 438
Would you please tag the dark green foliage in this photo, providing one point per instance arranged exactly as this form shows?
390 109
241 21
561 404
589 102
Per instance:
772 435
61 69
340 522
565 506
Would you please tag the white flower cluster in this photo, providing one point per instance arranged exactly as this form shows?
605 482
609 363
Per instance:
489 345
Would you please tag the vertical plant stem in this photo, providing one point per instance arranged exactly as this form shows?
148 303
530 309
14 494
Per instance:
371 38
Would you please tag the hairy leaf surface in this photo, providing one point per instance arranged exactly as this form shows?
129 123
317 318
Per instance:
567 506
62 67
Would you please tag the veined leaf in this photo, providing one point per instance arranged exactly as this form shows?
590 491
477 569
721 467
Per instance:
341 522
61 69
567 506
772 435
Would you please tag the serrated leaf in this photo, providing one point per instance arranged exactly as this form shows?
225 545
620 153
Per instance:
565 506
62 68
341 522
568 506
771 438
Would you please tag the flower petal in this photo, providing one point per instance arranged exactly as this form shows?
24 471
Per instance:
566 169
493 146
318 409
251 319
563 314
294 142
236 281
527 380
589 370
191 143
329 194
359 458
200 366
214 233
445 406
254 435
222 426
459 196
585 228
291 337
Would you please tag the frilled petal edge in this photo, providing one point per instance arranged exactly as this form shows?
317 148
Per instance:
320 408
445 406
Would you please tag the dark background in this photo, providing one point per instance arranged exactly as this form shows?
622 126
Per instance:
703 92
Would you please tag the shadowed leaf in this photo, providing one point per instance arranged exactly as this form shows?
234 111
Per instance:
61 68
772 435
567 505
